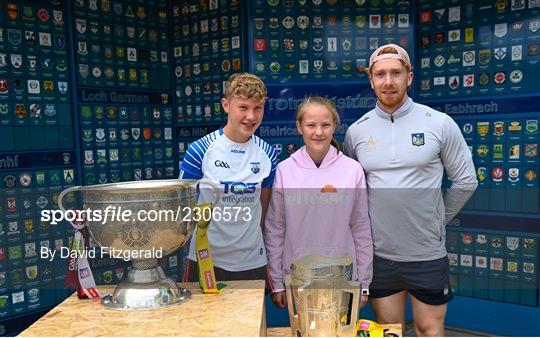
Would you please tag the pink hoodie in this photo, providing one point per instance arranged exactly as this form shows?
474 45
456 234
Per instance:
320 211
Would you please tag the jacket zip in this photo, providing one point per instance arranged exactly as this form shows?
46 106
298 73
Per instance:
393 147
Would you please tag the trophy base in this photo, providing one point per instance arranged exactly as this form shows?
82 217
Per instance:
109 302
145 289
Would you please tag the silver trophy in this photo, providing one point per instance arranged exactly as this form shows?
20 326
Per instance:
146 286
319 293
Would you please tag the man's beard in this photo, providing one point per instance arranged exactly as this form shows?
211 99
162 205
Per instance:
392 101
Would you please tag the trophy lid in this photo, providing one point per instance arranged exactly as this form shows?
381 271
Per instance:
139 192
141 185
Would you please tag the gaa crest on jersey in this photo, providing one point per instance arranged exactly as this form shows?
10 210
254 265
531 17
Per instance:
255 167
418 139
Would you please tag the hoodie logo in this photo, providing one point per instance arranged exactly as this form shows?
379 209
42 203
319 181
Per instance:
328 188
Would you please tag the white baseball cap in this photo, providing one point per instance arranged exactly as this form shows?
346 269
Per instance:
401 55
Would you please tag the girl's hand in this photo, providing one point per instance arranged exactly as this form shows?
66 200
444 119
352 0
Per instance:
279 299
363 300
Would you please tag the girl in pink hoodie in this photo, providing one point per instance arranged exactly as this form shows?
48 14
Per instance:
318 204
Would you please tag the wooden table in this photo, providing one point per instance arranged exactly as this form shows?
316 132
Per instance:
237 311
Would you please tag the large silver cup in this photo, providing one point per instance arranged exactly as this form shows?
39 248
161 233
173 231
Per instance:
146 286
318 297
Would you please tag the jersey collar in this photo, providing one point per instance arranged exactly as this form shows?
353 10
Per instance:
221 133
401 111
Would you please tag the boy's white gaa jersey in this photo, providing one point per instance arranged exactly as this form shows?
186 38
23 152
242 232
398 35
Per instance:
240 169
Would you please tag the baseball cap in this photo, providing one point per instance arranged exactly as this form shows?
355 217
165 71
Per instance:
401 55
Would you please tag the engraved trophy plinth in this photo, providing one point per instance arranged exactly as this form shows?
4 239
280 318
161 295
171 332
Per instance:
146 286
319 293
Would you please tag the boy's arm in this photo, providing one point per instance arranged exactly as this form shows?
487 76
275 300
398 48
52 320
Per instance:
266 186
265 201
191 167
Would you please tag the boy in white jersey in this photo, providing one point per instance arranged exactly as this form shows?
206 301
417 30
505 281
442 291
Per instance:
243 165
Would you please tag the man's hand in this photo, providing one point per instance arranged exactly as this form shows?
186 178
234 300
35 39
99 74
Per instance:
279 299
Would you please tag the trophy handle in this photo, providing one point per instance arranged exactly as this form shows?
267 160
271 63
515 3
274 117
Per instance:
61 206
295 325
354 289
217 189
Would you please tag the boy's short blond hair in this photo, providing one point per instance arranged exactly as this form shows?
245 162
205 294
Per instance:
246 86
